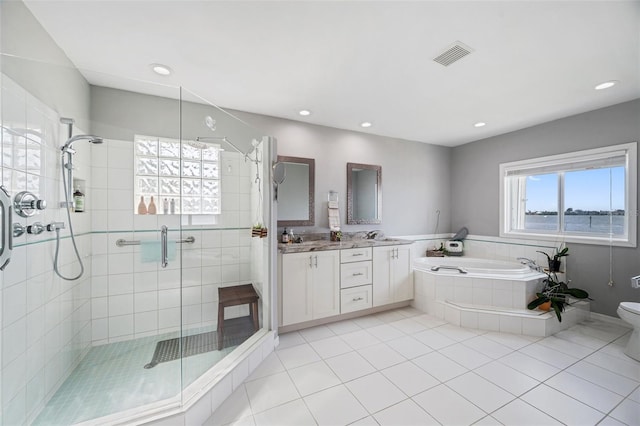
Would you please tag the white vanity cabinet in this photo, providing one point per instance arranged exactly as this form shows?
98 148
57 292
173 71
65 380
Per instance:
356 276
310 286
319 284
392 280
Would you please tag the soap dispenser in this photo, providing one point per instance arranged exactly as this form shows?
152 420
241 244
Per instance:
285 237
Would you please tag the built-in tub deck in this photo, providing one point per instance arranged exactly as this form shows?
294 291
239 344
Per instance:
487 294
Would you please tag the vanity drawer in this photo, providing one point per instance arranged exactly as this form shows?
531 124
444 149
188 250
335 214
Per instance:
355 255
356 298
355 274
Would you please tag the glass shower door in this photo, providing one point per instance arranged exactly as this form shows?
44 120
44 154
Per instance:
222 188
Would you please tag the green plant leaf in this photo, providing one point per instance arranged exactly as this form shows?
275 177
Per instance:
548 257
557 309
537 302
578 293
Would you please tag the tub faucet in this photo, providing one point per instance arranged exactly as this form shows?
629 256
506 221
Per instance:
530 263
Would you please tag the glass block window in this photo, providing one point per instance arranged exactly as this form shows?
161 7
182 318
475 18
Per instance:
182 179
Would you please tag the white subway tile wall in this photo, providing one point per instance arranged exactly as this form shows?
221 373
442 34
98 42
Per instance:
46 321
142 298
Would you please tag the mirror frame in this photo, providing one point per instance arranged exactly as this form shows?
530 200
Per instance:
311 221
350 219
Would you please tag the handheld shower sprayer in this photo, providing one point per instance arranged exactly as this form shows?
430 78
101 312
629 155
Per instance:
67 153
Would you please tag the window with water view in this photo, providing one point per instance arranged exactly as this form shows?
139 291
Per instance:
583 196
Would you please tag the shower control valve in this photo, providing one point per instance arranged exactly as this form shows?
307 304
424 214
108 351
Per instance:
36 228
18 229
26 203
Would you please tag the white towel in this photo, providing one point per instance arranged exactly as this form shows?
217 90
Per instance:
150 251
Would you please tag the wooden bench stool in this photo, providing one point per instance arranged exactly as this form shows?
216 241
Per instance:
233 296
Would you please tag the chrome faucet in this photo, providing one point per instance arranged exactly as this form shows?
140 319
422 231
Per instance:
530 263
372 235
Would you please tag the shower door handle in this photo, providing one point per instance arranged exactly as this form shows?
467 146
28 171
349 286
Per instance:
164 255
6 241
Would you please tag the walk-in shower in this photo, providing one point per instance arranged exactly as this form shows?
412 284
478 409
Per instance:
66 166
75 347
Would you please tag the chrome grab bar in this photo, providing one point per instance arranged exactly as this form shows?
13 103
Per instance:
455 268
164 255
122 242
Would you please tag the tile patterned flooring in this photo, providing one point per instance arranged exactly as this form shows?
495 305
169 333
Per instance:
112 378
403 367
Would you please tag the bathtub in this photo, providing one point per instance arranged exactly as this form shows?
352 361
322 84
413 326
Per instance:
470 266
474 283
488 295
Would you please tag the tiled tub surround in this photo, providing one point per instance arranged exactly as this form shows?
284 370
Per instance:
495 303
490 304
45 321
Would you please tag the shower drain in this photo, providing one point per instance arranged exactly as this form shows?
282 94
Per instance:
237 330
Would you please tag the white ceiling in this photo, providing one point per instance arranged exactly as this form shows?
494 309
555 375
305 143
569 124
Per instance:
354 61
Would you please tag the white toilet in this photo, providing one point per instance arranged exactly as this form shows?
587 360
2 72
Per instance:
630 313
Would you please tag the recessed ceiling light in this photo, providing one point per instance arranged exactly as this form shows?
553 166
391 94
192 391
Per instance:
480 124
304 112
161 69
365 124
606 84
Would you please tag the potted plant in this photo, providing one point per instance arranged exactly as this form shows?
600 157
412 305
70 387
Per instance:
555 260
555 295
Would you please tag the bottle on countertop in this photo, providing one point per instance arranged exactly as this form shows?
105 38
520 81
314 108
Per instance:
285 237
152 207
165 206
142 207
292 238
78 200
172 206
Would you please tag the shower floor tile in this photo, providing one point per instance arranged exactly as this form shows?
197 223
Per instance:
112 378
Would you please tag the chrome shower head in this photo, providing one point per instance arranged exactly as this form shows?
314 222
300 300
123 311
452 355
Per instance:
92 139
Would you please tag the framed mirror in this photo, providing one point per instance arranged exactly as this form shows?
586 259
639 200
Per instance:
296 204
364 194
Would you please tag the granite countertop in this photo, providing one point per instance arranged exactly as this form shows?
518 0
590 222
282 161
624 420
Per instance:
321 245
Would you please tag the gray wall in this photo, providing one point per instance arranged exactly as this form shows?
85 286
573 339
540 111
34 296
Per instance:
475 191
120 114
415 176
34 61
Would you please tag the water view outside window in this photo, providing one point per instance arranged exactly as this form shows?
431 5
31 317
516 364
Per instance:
582 196
541 203
593 201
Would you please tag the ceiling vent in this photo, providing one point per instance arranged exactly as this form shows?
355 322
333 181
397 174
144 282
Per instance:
453 54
